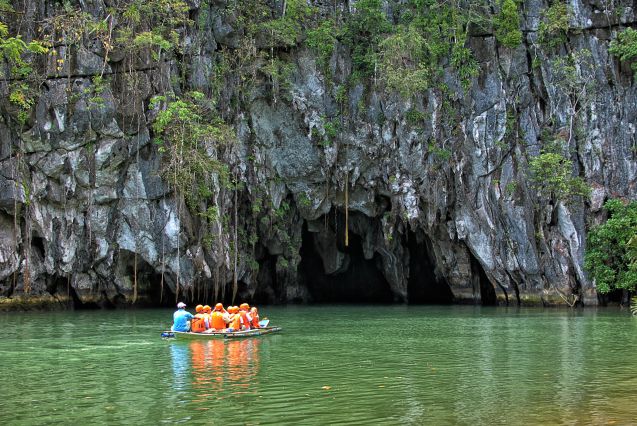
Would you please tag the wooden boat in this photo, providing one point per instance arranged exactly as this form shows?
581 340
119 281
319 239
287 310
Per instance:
186 335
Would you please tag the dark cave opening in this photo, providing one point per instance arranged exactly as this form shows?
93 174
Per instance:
267 291
423 286
159 294
37 242
616 297
358 280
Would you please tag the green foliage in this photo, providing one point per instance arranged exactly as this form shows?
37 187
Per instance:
23 97
625 47
552 175
442 154
332 129
403 61
283 210
286 31
155 42
13 50
510 188
282 263
431 33
362 34
5 6
415 118
189 133
18 55
554 26
279 73
303 200
507 24
322 40
611 253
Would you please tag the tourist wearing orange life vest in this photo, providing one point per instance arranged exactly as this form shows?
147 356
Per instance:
207 316
246 318
219 307
235 319
218 321
254 313
198 323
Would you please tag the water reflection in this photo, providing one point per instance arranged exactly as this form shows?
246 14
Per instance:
216 368
180 357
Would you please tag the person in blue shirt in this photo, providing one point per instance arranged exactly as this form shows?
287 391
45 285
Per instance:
181 318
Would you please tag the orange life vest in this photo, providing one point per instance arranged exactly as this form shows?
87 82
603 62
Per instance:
235 322
217 321
255 320
198 324
245 322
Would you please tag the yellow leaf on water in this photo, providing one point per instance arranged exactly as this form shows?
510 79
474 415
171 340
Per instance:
326 387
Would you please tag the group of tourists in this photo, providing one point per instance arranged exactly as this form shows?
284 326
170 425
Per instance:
209 320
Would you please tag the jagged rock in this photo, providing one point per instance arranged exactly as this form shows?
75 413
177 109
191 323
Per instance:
435 187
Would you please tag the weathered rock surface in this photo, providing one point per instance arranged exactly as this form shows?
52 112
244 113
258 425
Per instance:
84 212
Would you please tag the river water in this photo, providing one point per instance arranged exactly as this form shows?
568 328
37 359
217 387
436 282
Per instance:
330 365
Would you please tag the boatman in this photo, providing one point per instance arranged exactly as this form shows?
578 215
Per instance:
181 318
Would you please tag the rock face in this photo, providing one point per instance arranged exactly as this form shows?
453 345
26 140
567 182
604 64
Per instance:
367 197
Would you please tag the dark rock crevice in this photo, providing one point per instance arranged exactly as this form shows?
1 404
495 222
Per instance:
424 285
483 288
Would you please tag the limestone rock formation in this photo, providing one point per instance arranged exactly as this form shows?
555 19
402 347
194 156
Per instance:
432 190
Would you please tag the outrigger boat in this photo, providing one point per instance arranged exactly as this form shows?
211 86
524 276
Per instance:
187 335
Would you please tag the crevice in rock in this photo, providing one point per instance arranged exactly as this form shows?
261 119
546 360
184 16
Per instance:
356 280
481 281
516 287
38 244
423 286
148 279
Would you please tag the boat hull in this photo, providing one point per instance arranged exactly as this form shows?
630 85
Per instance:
230 335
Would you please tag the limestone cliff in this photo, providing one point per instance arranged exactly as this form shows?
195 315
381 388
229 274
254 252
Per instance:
333 183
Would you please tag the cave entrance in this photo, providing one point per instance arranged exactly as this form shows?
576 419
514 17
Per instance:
423 286
156 295
267 292
352 278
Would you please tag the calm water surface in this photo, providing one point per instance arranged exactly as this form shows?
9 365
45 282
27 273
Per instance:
331 365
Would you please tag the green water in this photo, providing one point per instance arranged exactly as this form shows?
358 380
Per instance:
331 365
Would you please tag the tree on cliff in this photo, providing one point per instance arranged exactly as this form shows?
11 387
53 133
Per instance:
611 257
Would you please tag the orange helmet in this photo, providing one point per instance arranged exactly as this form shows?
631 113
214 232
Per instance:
206 308
199 308
235 309
218 307
245 307
254 309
